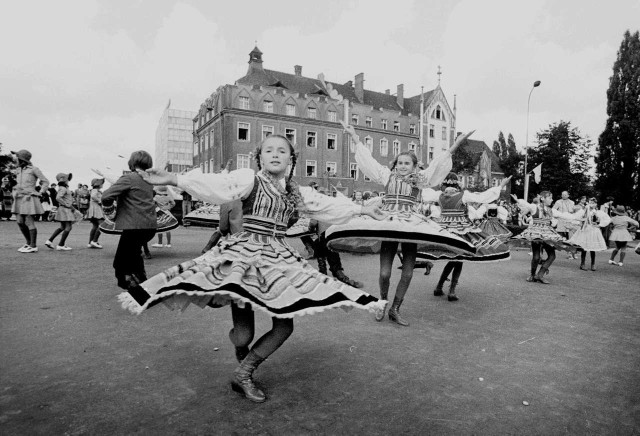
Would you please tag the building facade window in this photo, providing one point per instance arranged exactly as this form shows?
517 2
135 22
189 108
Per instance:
245 102
384 124
311 139
331 168
291 109
312 112
384 147
368 121
412 146
353 171
332 140
396 148
444 133
243 161
290 134
195 148
211 169
244 132
412 129
432 131
206 166
267 131
333 116
267 106
368 142
354 119
430 154
312 168
396 126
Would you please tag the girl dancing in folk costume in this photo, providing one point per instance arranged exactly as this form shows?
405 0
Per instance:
620 233
94 213
64 214
26 200
494 222
454 217
542 236
589 236
255 268
404 225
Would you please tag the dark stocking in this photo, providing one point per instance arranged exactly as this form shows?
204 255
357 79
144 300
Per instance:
274 338
387 254
409 252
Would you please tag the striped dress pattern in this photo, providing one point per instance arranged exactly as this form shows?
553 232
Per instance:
454 218
255 266
403 224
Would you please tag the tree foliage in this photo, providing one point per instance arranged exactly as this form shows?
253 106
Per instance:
6 163
618 159
564 154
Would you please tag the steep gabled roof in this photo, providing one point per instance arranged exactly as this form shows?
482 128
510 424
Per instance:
307 85
475 148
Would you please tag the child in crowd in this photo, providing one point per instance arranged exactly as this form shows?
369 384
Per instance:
94 212
164 203
135 216
26 200
620 234
64 214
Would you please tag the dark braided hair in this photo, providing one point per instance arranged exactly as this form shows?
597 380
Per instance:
291 187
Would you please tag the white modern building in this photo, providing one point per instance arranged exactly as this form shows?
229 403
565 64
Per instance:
174 140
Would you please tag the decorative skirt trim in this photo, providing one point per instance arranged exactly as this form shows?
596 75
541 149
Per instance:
261 270
165 221
369 241
488 249
136 302
540 232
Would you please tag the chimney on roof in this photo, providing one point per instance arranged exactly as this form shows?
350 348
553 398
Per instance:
359 89
387 91
298 70
400 95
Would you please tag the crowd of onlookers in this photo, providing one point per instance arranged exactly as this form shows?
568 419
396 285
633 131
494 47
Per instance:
81 199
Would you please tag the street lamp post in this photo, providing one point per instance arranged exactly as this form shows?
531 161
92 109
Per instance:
526 146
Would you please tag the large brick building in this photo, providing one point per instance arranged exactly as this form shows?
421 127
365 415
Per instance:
235 118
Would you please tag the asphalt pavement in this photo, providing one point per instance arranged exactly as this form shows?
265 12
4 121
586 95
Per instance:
510 357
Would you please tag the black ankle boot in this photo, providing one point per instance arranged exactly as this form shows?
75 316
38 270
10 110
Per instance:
242 381
394 313
540 276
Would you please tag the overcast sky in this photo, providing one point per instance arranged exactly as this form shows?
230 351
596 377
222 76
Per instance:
81 82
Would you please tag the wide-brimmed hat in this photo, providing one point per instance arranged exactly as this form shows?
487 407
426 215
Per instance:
97 183
619 210
23 155
62 177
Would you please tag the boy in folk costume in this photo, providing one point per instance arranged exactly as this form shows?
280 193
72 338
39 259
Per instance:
542 236
26 200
